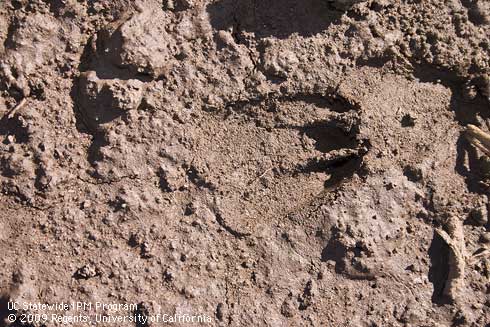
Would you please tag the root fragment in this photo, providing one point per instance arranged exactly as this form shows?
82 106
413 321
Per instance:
454 238
478 138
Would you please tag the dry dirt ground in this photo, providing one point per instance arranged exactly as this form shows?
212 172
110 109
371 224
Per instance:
263 162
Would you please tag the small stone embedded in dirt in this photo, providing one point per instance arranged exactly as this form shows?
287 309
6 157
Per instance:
177 5
86 272
86 204
146 250
211 266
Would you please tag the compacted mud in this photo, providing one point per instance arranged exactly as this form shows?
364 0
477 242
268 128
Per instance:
260 163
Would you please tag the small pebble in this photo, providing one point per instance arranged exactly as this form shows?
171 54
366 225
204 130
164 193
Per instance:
86 204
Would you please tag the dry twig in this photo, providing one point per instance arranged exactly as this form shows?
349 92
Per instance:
478 138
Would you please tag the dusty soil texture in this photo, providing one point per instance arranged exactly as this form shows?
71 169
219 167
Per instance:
266 163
